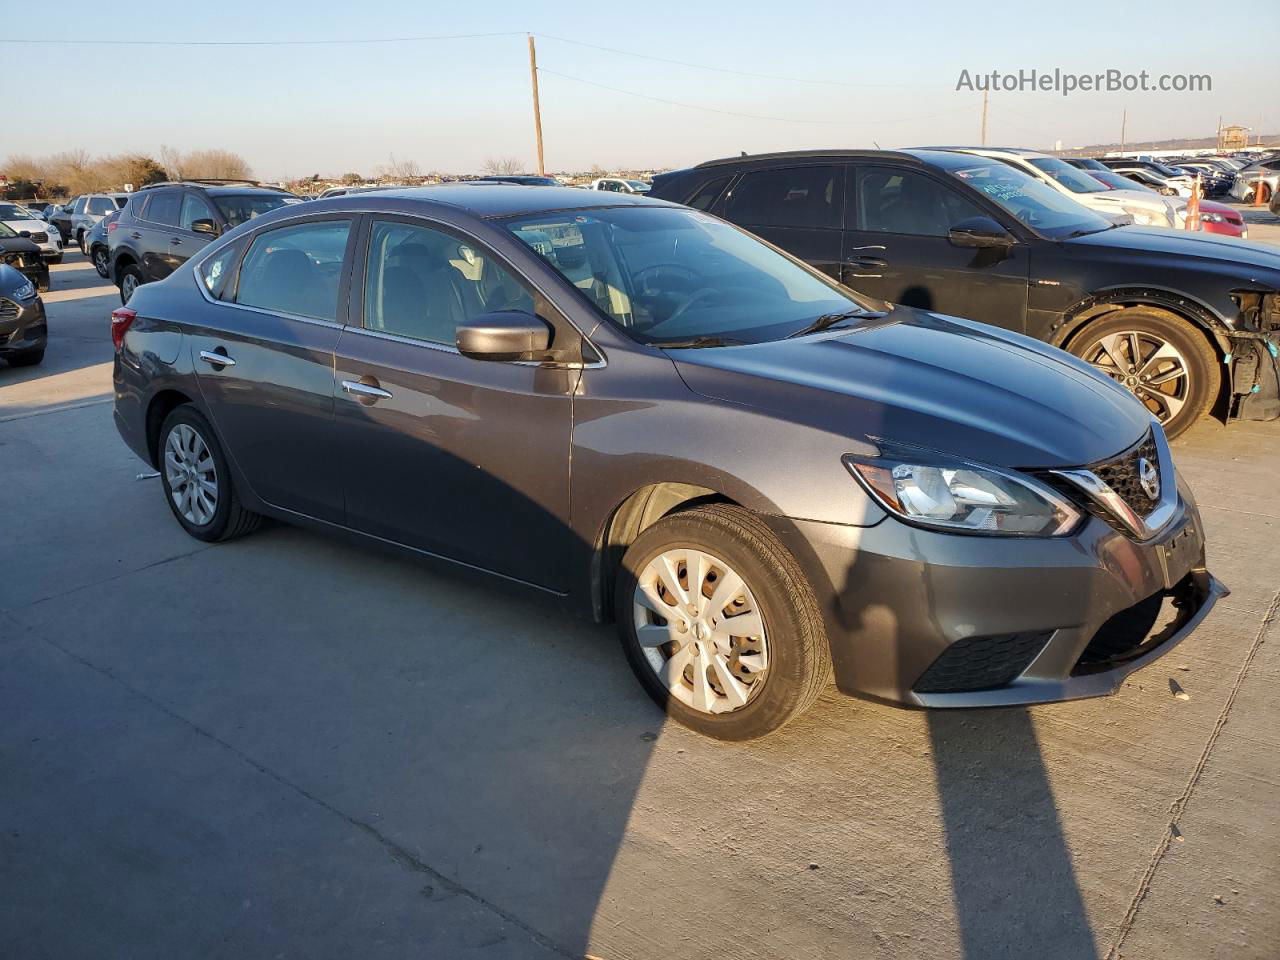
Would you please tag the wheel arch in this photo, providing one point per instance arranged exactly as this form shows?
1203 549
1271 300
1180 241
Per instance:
160 406
634 514
1105 302
122 259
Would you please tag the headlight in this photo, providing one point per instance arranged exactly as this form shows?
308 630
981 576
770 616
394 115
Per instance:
25 292
934 491
1210 218
1148 218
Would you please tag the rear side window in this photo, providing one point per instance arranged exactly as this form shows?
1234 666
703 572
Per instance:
165 207
101 206
296 269
791 197
216 272
708 194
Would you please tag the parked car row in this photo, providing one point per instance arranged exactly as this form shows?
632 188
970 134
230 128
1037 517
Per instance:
29 224
766 473
23 330
1186 322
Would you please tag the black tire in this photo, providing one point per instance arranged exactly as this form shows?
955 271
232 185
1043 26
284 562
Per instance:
80 243
26 358
100 262
55 260
799 657
230 519
1204 376
129 271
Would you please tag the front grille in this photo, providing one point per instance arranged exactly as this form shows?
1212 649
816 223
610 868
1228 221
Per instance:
981 663
8 309
1121 475
39 238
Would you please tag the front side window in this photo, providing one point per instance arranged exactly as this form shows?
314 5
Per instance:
79 207
422 283
708 194
193 209
904 202
791 197
668 274
165 207
296 269
1037 205
236 208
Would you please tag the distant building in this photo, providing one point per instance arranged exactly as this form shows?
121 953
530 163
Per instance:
1234 137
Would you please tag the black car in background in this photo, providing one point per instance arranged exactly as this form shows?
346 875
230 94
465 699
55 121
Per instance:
165 224
23 330
1181 320
23 254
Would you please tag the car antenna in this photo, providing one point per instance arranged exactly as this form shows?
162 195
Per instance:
878 147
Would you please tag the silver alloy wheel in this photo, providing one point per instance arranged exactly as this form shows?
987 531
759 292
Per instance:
701 630
191 474
100 262
127 286
1148 366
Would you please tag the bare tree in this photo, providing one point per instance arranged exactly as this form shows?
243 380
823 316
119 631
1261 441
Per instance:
171 160
215 164
502 166
401 169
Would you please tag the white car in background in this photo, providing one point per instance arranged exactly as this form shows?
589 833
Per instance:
45 236
91 208
1144 207
1177 186
620 185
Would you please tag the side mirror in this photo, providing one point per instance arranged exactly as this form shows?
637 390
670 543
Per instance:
25 234
204 225
979 232
505 335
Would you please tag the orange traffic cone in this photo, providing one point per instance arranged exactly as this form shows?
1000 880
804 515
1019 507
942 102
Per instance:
1193 207
1257 194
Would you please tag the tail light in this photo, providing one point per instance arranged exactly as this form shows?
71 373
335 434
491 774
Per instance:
111 226
121 320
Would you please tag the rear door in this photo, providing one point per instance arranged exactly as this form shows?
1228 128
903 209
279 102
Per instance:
467 459
896 248
800 209
265 362
152 231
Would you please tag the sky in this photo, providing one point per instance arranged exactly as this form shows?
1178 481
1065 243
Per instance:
847 74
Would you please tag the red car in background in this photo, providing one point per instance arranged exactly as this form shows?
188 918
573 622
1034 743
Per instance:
1214 217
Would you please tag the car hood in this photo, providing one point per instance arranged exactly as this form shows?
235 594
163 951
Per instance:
1243 257
34 226
1128 198
919 378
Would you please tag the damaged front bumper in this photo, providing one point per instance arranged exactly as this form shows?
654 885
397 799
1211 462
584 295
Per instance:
1254 366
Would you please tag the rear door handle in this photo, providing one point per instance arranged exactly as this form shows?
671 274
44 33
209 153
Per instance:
216 359
868 263
366 392
175 240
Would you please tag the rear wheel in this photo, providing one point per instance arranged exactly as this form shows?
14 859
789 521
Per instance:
197 482
80 242
130 280
719 623
100 262
1161 359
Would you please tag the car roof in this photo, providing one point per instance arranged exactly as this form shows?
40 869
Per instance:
505 199
944 157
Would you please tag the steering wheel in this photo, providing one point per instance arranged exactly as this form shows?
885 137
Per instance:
642 277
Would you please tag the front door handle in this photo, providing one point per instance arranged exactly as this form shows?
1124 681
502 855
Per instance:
217 359
366 393
135 235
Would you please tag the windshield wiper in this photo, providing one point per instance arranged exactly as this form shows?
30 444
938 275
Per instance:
828 320
695 342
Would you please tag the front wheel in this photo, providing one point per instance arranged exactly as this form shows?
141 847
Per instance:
26 358
719 623
1161 359
197 481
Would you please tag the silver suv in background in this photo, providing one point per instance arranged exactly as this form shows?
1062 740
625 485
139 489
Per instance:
88 210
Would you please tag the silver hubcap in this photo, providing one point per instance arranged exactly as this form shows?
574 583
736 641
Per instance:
1149 367
127 286
100 260
192 477
700 630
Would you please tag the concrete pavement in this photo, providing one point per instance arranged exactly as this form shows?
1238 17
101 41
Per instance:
289 746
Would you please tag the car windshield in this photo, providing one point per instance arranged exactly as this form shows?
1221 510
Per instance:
1077 181
236 208
14 211
1040 207
672 275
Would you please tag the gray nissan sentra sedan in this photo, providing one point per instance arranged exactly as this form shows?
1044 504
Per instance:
653 417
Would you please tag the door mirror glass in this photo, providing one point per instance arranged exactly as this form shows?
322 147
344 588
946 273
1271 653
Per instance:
204 225
505 335
979 232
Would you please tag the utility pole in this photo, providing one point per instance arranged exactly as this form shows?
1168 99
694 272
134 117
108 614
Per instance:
537 108
984 119
1218 145
1124 119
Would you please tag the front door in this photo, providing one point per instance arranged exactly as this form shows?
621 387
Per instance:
896 248
467 459
264 359
796 208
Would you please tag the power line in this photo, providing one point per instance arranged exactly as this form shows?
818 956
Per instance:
730 113
268 43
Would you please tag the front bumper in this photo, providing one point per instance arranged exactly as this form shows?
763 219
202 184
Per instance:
22 326
1254 363
929 619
